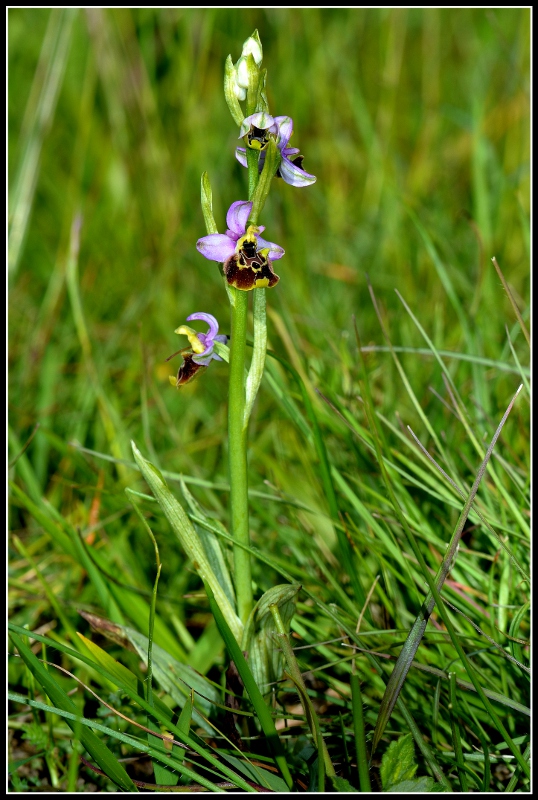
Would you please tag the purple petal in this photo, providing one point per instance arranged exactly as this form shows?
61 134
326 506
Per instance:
235 237
237 216
295 175
208 339
211 321
241 155
285 129
206 352
216 247
290 151
276 251
204 359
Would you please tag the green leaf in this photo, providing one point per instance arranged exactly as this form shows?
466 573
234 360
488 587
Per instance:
229 91
257 774
265 659
398 763
515 646
207 205
190 541
95 747
417 785
81 723
212 546
175 678
70 542
163 775
341 784
165 718
262 712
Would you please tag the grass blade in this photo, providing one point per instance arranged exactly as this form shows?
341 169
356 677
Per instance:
97 749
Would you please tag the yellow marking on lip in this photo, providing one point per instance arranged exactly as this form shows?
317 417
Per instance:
249 236
190 333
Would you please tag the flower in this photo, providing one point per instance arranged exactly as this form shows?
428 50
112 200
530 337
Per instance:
201 350
257 129
242 251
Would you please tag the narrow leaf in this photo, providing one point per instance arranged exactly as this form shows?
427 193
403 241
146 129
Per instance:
97 749
190 541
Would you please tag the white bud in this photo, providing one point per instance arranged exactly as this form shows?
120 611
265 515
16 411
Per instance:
239 92
253 47
241 73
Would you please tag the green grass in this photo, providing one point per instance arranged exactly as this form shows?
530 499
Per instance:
416 124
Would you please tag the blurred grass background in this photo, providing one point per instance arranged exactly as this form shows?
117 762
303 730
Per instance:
394 110
416 124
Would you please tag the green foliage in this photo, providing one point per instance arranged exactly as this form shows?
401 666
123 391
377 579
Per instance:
398 768
416 124
265 659
398 763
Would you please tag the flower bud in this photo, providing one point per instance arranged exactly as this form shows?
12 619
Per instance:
241 77
253 46
232 91
239 89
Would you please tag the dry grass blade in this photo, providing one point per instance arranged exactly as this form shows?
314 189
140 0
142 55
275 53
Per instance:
512 301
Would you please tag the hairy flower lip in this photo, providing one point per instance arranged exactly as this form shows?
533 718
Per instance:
221 246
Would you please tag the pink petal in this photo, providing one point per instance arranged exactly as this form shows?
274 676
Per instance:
237 216
216 247
285 129
295 175
275 251
210 320
241 155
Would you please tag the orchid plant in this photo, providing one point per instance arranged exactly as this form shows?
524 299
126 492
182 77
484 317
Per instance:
246 264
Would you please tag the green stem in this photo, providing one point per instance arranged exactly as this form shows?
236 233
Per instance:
237 434
253 175
359 732
241 395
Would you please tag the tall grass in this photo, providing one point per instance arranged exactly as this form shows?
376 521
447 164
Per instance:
416 124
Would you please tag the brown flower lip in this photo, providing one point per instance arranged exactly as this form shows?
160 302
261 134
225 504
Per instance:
248 271
188 370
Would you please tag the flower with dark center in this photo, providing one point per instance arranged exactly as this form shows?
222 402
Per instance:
245 256
200 352
257 129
